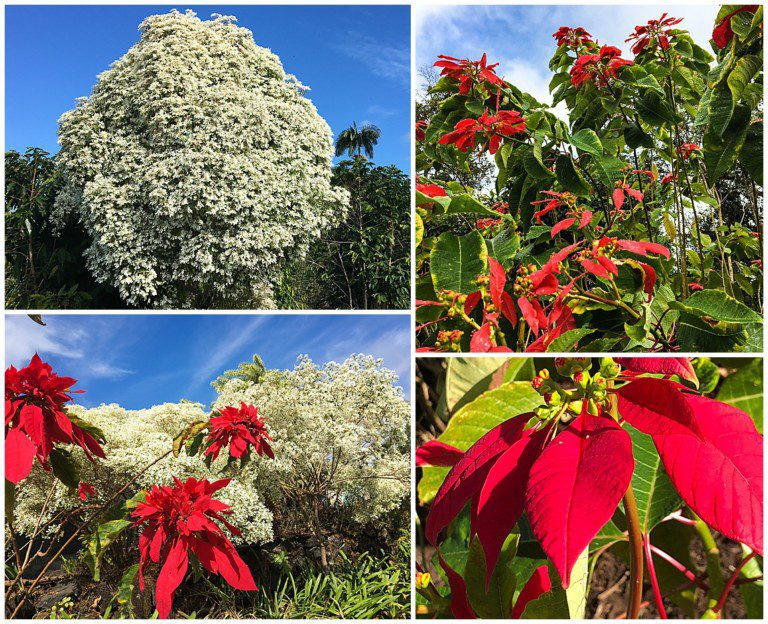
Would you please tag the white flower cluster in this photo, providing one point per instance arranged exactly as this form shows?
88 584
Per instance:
350 409
198 167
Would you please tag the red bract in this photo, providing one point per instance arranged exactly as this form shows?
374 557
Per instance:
178 519
654 32
556 200
238 428
598 68
85 490
469 72
667 366
436 453
618 194
35 418
686 149
667 178
723 33
421 127
694 286
490 127
574 37
431 190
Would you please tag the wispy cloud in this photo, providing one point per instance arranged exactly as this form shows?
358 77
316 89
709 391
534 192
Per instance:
217 354
385 60
376 110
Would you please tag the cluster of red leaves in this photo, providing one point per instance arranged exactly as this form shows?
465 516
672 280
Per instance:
179 519
239 429
687 149
469 73
570 485
84 490
598 68
35 418
723 33
655 32
574 37
490 128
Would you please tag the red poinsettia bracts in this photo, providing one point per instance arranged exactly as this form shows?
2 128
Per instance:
469 73
686 149
622 189
584 219
667 178
723 33
421 130
598 68
491 128
598 258
656 31
574 37
431 190
179 519
85 490
568 475
556 200
239 429
694 286
35 419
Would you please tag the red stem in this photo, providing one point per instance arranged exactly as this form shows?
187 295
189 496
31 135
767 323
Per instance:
652 575
721 603
679 566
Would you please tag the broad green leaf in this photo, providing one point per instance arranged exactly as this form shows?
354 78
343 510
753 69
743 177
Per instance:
744 389
653 110
609 534
466 204
99 542
497 602
503 246
576 594
466 379
655 495
419 230
751 156
587 141
552 605
570 177
707 373
635 137
718 306
567 342
721 152
64 467
125 590
456 261
696 334
474 420
609 169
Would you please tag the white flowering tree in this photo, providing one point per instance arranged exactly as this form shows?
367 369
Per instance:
340 435
198 167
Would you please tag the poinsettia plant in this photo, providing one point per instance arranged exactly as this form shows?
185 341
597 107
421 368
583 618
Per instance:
532 481
634 224
178 525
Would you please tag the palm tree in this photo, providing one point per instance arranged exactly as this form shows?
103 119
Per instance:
354 141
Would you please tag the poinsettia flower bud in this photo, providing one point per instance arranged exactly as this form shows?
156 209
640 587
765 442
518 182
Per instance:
568 366
608 368
422 580
582 379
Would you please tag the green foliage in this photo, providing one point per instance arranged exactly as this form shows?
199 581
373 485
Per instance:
364 262
44 263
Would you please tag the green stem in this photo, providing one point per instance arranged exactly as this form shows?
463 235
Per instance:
712 552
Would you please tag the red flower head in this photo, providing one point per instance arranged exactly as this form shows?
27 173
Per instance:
686 149
431 190
238 428
421 127
694 286
469 72
723 33
557 199
85 490
655 31
574 37
35 418
181 518
491 128
667 178
600 66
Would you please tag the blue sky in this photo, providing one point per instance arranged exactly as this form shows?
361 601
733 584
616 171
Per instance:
520 39
355 59
142 360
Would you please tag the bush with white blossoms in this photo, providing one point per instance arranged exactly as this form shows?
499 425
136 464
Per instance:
350 409
198 167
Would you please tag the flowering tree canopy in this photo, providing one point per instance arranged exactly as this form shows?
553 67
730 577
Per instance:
632 223
197 166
